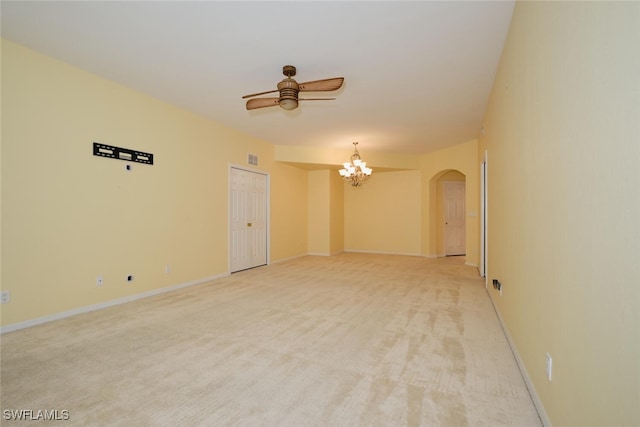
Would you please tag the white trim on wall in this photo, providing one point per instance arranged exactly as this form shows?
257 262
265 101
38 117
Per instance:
542 413
324 253
382 252
58 316
483 219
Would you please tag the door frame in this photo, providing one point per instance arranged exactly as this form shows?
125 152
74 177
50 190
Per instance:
484 224
268 211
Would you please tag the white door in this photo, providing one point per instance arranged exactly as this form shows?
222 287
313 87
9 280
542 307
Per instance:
248 219
454 217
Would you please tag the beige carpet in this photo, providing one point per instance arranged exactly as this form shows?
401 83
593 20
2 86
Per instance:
349 340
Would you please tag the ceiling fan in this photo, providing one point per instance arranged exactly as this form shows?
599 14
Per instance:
289 89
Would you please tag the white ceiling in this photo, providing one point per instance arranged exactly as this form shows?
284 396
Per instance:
417 73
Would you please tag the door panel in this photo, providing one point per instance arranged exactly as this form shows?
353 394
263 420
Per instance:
454 214
248 212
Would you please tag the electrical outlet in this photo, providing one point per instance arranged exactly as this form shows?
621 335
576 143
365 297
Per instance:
99 280
549 366
167 269
497 286
5 297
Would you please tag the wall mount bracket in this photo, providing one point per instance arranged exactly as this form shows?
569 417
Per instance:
109 151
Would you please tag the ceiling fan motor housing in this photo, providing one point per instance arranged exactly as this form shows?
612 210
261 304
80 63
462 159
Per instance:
288 93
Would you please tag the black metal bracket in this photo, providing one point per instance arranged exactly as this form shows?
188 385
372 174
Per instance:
103 150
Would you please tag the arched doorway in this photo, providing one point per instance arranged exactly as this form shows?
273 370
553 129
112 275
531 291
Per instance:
447 219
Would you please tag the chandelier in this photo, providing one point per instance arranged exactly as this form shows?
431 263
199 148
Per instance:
355 171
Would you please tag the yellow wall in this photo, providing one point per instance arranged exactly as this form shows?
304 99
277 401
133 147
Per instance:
68 216
464 159
288 211
563 141
395 210
336 212
326 212
319 220
384 214
334 158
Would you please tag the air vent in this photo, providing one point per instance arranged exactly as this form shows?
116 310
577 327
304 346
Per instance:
252 159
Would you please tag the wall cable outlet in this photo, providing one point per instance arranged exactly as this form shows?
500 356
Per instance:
497 286
99 280
5 297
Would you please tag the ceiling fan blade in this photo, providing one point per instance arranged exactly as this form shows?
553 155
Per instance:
316 99
321 85
260 93
252 104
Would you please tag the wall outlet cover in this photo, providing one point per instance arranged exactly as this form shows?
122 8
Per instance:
549 366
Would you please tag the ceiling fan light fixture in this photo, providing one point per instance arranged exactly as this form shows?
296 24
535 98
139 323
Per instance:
288 103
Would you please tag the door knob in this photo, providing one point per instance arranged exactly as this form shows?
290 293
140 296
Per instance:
248 224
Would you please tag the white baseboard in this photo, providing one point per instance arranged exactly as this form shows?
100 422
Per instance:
324 253
278 261
544 418
99 306
443 256
381 253
435 255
